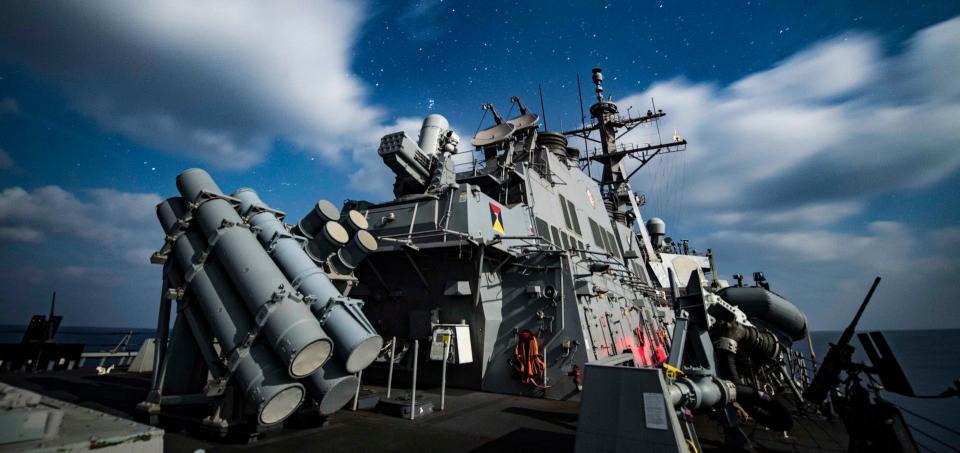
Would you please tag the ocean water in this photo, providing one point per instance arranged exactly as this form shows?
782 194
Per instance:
96 339
930 359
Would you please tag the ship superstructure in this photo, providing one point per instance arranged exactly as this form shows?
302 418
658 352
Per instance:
521 240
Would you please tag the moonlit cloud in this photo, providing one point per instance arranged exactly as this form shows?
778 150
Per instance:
113 220
803 134
9 105
216 82
827 272
6 162
786 155
92 247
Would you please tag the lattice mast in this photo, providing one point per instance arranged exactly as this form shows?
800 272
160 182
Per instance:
607 121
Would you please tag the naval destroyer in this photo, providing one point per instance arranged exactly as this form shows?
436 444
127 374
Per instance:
513 263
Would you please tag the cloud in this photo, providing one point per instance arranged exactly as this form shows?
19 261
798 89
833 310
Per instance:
115 221
9 105
217 82
92 247
19 234
811 138
6 162
789 159
826 273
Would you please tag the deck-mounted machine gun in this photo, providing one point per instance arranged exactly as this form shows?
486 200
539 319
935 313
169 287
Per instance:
873 423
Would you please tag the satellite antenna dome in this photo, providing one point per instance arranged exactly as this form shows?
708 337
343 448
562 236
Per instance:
657 229
656 225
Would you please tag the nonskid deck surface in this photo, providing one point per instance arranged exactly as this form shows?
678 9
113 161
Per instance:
472 421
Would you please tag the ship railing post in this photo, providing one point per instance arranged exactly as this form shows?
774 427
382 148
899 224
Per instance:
413 392
443 375
356 393
393 350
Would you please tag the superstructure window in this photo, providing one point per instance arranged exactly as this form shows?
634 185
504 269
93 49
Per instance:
566 241
543 229
573 218
595 229
556 236
566 215
613 244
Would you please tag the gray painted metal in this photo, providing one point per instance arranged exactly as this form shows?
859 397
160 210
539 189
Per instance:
357 342
294 334
23 419
262 377
625 409
353 222
332 387
322 212
349 257
433 127
768 307
328 240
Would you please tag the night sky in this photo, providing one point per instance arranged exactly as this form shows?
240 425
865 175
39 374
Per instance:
823 135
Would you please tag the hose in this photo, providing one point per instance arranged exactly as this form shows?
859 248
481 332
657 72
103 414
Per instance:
758 405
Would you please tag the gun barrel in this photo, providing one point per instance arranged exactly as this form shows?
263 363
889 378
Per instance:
829 373
849 331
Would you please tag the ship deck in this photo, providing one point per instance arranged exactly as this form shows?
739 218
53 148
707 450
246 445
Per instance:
473 421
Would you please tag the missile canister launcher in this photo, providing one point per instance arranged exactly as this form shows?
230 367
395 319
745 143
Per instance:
263 379
295 335
357 344
322 213
260 326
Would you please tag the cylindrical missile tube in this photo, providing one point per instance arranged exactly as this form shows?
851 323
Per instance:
332 387
349 257
353 222
357 342
288 325
322 212
328 240
260 375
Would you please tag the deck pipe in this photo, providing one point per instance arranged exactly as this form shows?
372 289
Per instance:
349 256
291 330
261 376
357 342
322 212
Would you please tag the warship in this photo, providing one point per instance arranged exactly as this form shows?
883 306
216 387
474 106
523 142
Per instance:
514 268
